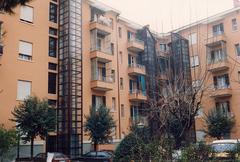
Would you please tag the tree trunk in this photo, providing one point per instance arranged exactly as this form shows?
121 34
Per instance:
32 141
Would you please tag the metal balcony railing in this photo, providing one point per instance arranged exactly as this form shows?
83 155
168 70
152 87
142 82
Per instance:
103 20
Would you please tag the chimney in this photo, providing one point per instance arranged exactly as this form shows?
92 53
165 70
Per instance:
236 3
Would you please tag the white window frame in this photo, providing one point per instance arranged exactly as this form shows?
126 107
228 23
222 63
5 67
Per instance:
113 104
192 38
27 14
22 90
25 50
234 24
194 61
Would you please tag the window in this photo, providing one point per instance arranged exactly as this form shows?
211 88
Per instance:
121 57
113 104
53 12
223 107
163 47
122 111
130 36
196 83
112 48
52 82
25 50
120 32
26 14
52 66
194 61
200 113
52 103
52 47
24 89
121 83
200 136
216 56
193 38
53 31
221 82
237 48
113 76
98 101
114 134
218 29
234 24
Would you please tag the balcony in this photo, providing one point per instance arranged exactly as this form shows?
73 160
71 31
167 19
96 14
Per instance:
135 45
101 56
138 120
137 95
102 84
136 69
221 92
103 24
218 66
216 39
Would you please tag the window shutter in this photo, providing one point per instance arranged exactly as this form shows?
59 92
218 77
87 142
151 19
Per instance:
221 27
215 81
104 100
93 100
227 79
26 13
24 90
25 48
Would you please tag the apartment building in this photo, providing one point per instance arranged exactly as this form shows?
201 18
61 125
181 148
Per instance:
28 57
214 54
82 54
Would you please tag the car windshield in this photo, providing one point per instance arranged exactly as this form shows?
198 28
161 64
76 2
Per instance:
99 154
223 147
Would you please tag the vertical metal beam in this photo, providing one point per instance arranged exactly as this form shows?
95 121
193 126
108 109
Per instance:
69 110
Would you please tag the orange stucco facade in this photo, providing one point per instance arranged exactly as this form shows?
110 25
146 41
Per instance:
210 66
107 48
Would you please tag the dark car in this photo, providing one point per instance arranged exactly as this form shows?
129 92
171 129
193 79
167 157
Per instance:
57 157
97 156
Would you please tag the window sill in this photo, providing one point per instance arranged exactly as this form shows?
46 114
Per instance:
26 22
30 61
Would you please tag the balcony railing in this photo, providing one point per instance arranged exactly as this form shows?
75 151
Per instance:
108 79
135 45
215 39
222 91
102 83
139 120
137 69
103 49
103 20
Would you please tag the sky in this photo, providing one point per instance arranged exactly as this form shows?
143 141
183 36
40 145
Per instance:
166 15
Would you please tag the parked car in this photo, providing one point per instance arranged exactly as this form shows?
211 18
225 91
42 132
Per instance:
97 156
57 157
225 149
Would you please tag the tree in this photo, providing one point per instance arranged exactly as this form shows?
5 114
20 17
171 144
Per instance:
8 139
218 123
8 5
34 118
99 124
130 148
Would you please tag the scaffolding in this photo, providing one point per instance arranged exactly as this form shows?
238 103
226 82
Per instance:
70 108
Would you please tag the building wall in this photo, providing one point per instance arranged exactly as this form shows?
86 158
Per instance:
13 69
204 36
